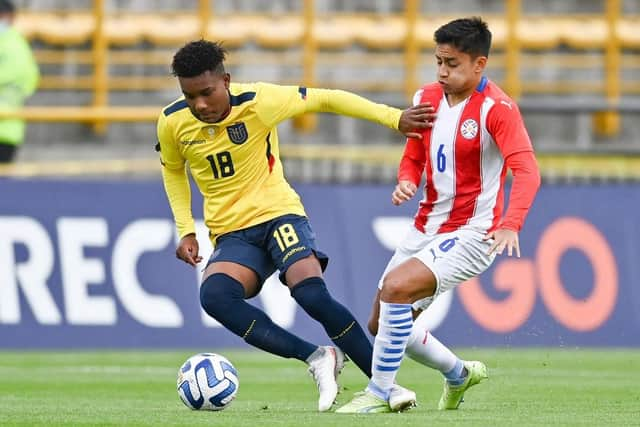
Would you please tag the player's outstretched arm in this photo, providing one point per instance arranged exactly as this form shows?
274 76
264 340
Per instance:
526 181
410 122
188 250
505 124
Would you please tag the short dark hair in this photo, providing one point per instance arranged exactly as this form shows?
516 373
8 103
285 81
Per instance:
7 6
199 56
468 35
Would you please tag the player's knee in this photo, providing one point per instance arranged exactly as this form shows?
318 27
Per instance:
218 292
394 289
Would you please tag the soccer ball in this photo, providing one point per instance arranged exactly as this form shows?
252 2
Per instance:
207 381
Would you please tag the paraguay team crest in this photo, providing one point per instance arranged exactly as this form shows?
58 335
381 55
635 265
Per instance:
237 133
469 129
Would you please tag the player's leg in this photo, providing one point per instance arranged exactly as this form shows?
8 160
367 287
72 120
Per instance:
224 289
427 350
411 244
398 398
332 315
237 269
407 282
307 286
293 249
223 297
455 258
459 375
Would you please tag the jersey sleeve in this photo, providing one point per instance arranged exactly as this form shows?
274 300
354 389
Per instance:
167 147
412 162
414 156
277 103
526 181
505 124
175 179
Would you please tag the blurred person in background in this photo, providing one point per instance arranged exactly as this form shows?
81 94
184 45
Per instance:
227 134
459 227
19 77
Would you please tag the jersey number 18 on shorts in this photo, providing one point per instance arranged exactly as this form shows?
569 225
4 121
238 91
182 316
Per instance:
286 236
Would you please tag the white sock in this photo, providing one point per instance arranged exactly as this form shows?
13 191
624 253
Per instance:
394 328
424 348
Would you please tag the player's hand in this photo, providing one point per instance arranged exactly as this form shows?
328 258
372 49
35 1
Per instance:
404 191
188 249
503 238
416 119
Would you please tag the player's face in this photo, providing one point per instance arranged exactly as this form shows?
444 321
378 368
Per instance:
207 95
458 72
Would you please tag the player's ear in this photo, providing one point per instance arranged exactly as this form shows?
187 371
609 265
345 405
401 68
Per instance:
479 64
227 79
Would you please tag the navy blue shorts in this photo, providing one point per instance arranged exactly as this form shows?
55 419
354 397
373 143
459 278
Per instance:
270 246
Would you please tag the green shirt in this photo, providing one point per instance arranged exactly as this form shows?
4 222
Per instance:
19 77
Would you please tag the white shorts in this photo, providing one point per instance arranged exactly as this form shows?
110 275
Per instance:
452 257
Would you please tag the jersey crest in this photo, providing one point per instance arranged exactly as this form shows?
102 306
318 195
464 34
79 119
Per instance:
238 133
469 129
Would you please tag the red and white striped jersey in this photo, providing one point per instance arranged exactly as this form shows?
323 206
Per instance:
463 157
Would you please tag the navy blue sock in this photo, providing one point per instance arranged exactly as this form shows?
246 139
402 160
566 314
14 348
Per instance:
222 297
341 326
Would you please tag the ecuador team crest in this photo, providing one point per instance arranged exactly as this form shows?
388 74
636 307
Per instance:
237 133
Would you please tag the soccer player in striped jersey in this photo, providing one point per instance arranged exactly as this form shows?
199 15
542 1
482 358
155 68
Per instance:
459 227
226 133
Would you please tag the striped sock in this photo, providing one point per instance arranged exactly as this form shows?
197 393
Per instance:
394 329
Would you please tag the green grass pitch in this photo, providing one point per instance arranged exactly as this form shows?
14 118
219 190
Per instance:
525 387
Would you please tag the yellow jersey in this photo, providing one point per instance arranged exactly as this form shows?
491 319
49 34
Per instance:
236 162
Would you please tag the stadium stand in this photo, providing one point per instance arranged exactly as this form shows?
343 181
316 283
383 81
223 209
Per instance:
108 60
76 30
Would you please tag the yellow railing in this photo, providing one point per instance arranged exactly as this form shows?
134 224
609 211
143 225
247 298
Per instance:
307 39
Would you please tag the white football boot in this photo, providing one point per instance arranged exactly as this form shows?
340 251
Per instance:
401 399
325 368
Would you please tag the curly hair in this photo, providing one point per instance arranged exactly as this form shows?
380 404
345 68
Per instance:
199 56
468 35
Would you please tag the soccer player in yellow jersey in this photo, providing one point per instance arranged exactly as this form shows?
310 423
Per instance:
226 132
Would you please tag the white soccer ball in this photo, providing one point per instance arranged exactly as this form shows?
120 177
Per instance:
207 381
